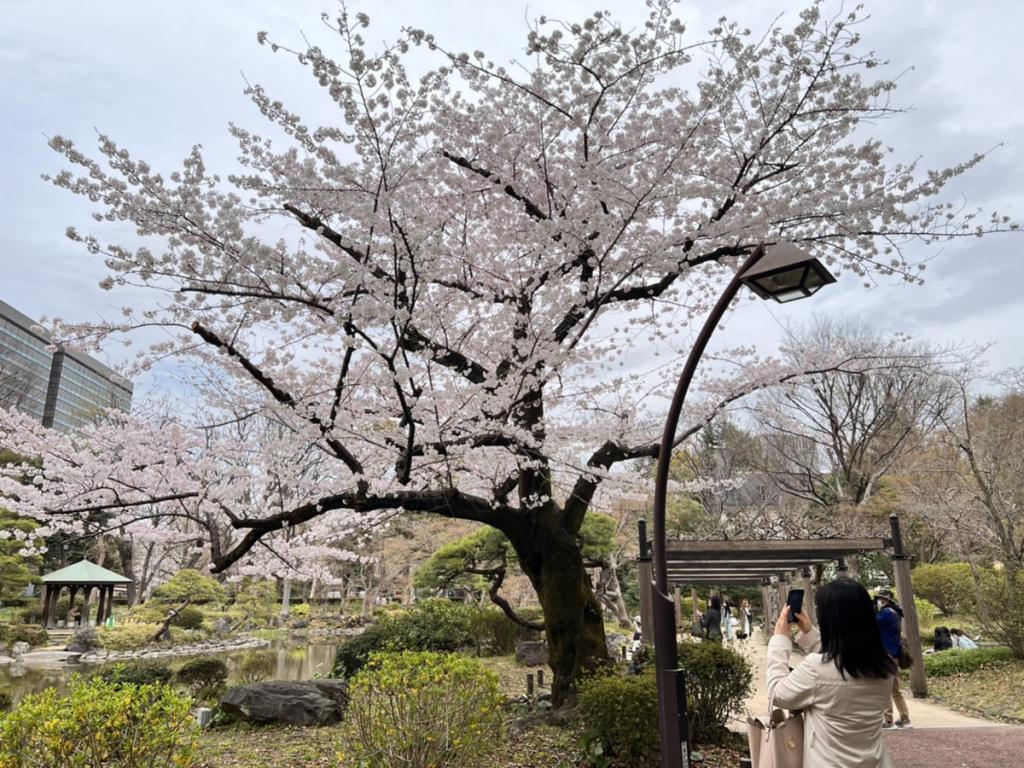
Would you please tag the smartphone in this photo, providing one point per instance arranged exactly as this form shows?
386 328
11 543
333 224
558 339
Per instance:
795 601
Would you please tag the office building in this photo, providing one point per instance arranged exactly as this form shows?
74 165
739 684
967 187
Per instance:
60 387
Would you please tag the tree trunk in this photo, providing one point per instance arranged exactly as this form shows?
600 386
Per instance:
573 624
611 592
126 550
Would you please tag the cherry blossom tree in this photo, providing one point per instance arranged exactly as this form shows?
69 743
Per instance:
438 289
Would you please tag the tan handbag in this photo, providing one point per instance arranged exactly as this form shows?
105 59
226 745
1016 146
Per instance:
780 743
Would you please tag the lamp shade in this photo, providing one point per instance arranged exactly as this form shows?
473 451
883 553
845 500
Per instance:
786 273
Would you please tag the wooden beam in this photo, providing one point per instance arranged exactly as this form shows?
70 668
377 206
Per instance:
822 549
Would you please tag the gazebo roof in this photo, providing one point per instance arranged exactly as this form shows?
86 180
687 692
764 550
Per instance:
84 572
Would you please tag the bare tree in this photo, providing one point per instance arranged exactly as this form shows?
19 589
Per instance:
831 438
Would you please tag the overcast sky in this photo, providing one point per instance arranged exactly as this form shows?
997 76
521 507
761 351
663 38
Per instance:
160 77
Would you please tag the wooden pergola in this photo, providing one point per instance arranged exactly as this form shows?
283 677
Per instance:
773 564
84 576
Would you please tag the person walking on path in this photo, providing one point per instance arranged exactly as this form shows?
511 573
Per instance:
890 619
842 683
711 621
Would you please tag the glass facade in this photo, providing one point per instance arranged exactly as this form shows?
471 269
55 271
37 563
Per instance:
63 389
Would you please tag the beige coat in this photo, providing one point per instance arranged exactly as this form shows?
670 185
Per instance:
842 717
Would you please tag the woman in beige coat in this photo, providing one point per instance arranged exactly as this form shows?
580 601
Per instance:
843 684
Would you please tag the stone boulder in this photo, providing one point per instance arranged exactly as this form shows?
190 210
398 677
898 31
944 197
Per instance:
20 648
313 702
222 626
532 653
615 642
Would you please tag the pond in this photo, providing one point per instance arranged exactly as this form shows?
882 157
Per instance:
297 659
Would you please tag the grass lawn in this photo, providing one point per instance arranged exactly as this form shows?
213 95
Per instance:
994 692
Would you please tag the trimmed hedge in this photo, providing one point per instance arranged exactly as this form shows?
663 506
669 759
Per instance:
136 674
957 662
718 681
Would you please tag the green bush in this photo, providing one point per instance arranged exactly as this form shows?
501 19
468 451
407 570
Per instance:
621 714
718 681
127 637
1000 607
188 618
32 634
136 674
299 610
496 634
354 652
957 662
257 665
202 676
422 710
100 724
190 584
950 586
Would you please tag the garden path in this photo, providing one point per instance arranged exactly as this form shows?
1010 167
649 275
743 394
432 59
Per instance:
924 714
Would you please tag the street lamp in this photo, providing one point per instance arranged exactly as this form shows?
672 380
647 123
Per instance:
782 272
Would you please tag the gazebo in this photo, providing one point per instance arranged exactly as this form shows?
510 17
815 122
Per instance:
84 576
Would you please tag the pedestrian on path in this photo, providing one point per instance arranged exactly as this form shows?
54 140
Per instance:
843 682
890 620
711 621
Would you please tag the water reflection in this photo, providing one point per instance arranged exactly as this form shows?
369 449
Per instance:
294 662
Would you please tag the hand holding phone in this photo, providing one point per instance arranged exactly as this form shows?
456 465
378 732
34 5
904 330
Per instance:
795 601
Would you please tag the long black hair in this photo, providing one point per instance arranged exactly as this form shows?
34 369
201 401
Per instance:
715 603
850 636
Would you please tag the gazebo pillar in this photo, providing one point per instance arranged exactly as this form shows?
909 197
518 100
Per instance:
101 605
809 608
905 588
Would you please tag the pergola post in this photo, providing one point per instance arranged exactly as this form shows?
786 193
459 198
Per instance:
766 604
644 577
693 600
809 608
911 627
679 608
783 587
101 606
47 592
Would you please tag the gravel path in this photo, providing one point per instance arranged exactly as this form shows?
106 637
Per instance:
996 747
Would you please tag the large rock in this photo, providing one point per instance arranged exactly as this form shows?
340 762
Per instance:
615 642
20 648
532 653
222 626
314 702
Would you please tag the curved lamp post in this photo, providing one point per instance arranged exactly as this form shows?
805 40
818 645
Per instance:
782 272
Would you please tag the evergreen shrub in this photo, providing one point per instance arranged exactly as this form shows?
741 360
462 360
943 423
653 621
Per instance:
957 662
127 637
203 676
620 714
718 681
188 618
136 674
422 710
257 666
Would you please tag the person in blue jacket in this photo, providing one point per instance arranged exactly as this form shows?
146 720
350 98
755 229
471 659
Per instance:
890 617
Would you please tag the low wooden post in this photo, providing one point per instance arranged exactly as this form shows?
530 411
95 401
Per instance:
529 685
911 627
540 678
809 596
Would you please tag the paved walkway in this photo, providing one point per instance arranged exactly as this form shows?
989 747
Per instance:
923 713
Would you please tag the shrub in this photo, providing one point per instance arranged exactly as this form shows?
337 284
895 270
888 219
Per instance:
956 662
257 665
431 625
99 724
1000 606
202 676
32 634
299 610
190 584
422 709
136 674
188 618
85 637
621 714
354 652
718 681
495 633
6 700
127 637
949 585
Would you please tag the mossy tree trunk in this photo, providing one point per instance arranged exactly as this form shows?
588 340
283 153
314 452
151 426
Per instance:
551 557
